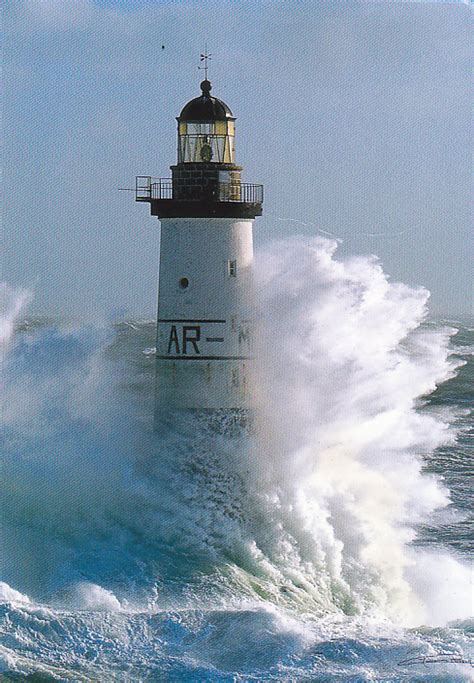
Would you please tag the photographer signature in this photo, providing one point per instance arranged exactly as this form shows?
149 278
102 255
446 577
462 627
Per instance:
446 657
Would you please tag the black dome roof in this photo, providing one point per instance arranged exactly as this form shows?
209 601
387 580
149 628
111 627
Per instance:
205 108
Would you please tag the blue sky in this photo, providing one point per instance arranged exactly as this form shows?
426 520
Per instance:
355 116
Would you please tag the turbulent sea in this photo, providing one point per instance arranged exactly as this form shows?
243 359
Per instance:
331 543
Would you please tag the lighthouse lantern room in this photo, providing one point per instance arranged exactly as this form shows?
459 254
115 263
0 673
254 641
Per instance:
206 130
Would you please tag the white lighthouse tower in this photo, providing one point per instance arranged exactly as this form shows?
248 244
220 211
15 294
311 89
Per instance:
206 294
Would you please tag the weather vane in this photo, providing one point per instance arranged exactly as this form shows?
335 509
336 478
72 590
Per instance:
205 57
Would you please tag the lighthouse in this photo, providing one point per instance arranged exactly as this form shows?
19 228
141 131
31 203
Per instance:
206 308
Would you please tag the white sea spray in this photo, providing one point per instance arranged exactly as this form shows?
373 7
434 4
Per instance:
345 365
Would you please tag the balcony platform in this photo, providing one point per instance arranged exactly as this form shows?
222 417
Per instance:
218 200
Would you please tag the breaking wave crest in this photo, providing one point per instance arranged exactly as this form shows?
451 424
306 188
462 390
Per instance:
345 427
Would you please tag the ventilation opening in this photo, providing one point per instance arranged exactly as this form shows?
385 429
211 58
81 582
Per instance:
184 283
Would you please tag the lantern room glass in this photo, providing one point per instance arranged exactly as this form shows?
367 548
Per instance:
206 141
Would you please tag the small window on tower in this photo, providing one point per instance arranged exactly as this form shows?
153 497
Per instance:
232 268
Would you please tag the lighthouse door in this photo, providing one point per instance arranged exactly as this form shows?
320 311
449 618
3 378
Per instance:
229 186
224 186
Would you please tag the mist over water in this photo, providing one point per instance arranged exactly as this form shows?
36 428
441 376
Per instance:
298 535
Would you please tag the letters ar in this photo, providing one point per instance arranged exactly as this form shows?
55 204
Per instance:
190 336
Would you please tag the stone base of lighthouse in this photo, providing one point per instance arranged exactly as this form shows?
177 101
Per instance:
206 384
214 395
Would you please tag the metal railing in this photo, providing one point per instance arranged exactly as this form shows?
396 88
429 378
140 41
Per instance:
148 188
248 193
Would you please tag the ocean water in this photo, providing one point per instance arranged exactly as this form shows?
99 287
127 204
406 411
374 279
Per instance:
332 543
